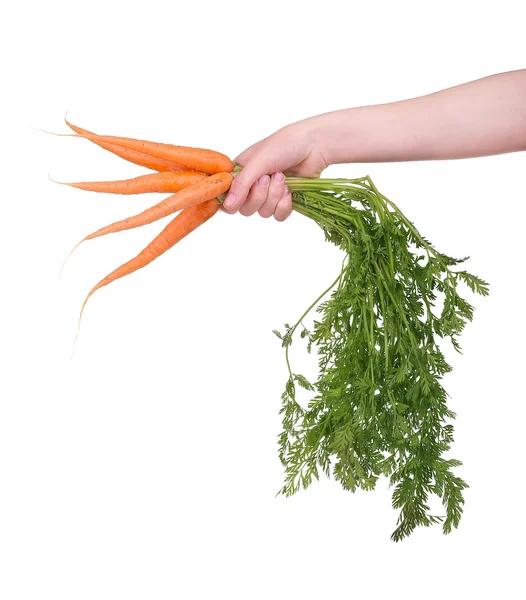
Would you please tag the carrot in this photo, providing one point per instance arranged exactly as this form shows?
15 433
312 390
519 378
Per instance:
169 181
183 224
205 189
133 156
195 159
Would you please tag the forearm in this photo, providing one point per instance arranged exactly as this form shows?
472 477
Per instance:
480 118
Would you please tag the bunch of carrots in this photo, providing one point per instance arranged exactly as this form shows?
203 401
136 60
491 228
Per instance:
379 408
196 178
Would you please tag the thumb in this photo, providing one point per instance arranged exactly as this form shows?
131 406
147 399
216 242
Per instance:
242 183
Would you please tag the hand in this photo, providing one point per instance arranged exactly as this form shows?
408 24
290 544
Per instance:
260 186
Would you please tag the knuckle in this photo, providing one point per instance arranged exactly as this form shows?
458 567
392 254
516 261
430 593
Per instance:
265 212
238 186
259 190
283 210
246 211
258 193
277 187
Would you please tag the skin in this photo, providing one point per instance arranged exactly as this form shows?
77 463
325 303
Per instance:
479 118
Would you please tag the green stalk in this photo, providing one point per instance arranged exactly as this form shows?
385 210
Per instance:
347 424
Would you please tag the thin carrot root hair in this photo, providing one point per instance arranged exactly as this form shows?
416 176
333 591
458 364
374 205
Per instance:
69 255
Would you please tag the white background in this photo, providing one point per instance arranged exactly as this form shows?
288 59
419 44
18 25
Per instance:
147 466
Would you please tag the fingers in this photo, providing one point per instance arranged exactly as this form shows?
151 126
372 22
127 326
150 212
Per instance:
264 195
256 197
276 189
284 207
242 183
268 196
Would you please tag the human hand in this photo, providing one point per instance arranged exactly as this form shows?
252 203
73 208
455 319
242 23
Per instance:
260 186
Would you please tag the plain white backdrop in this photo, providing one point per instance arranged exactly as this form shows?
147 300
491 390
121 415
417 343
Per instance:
147 466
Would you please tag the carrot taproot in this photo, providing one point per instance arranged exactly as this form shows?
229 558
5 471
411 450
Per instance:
210 187
133 156
183 224
195 159
169 181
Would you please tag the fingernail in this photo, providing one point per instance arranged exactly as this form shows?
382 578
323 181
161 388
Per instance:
279 176
264 180
230 200
286 191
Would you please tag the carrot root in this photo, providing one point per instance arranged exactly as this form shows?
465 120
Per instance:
167 182
202 191
196 159
133 156
178 228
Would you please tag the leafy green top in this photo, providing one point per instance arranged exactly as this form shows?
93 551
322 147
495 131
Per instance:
378 405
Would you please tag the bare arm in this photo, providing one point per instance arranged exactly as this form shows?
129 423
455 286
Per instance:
480 118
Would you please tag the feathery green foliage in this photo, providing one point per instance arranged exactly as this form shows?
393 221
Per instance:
378 407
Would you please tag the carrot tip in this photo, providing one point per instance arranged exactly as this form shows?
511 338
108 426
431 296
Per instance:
80 318
55 181
67 257
77 334
75 340
68 123
57 134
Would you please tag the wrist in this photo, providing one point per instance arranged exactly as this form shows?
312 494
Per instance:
334 136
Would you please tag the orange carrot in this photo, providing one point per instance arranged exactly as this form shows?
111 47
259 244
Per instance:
205 189
195 159
138 158
183 224
169 181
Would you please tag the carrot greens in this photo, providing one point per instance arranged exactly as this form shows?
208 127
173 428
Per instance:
378 405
